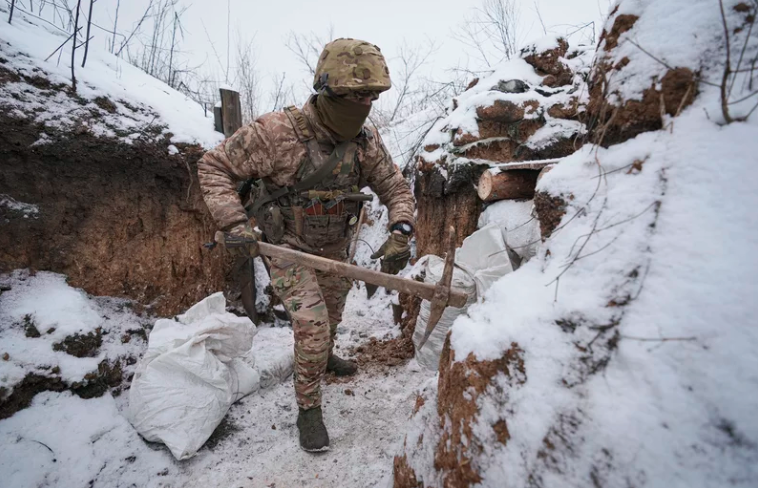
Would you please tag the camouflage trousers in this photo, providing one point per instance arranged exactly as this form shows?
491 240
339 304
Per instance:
315 301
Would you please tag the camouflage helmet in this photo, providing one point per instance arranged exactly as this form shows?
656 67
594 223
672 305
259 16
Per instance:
350 64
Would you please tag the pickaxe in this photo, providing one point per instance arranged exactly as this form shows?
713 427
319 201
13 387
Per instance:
441 295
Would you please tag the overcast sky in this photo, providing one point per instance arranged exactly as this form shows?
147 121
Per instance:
388 23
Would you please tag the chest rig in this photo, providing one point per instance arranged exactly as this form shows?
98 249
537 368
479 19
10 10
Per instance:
320 210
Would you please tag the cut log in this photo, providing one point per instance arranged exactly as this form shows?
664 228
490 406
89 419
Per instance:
518 184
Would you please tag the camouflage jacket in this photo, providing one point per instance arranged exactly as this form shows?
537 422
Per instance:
269 147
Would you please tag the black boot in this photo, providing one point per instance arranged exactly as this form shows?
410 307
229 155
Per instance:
341 367
313 434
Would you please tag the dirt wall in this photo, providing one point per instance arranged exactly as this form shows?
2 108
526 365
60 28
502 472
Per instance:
119 220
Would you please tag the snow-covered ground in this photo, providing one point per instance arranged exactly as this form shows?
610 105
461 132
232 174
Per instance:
113 98
636 320
64 440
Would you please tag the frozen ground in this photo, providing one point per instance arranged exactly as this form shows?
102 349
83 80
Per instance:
63 440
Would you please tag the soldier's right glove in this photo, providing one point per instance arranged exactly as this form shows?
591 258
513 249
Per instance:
240 241
396 252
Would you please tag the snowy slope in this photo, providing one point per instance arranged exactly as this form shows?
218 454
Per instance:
636 321
137 104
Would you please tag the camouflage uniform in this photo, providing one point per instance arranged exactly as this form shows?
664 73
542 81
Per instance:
270 147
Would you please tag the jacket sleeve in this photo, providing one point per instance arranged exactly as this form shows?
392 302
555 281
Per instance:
248 153
386 180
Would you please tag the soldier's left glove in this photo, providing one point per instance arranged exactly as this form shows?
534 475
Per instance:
396 252
239 241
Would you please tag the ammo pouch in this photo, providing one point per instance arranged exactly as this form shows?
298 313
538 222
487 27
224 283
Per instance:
269 215
318 230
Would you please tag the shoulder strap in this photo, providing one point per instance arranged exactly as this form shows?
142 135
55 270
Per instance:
311 180
301 126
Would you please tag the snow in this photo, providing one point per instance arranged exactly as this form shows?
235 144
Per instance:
57 311
28 209
143 104
62 440
637 316
365 415
463 119
91 440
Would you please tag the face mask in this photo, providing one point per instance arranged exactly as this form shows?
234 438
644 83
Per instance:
343 117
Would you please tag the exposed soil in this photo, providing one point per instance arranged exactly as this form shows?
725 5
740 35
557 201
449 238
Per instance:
460 384
550 210
109 376
610 124
119 220
81 345
404 476
623 23
548 64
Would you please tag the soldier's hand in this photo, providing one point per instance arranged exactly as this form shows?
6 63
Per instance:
396 253
239 241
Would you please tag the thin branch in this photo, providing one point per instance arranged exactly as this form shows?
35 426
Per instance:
73 46
658 339
727 68
87 36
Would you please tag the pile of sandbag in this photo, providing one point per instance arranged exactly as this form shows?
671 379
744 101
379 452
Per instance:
195 367
479 262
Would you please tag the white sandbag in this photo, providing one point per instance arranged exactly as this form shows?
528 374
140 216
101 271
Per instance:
520 227
480 262
273 355
429 355
484 256
190 376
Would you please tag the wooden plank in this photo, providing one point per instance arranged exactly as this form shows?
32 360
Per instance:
231 111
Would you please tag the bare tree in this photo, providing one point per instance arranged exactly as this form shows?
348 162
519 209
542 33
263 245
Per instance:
247 79
87 37
492 30
307 47
283 93
115 27
13 5
73 46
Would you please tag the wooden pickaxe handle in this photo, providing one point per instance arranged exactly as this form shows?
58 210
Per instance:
442 290
456 298
424 290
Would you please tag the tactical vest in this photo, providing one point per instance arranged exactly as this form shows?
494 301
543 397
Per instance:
318 213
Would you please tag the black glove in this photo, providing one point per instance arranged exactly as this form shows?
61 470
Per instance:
396 252
240 241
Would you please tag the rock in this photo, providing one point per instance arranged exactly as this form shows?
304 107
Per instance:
511 86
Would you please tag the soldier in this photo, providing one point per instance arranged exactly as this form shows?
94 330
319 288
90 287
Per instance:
311 164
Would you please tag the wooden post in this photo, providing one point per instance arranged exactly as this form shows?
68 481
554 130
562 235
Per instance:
231 111
218 119
517 184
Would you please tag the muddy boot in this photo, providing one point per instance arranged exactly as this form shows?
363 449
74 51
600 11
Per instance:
341 367
313 434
